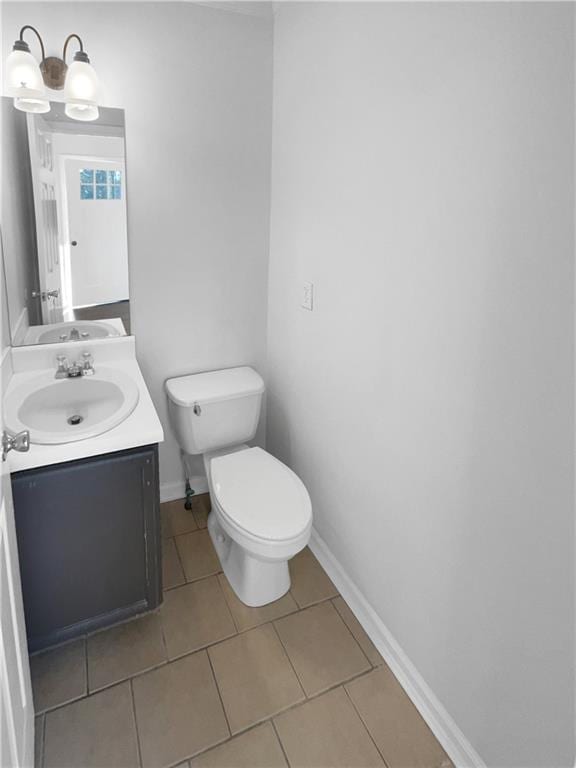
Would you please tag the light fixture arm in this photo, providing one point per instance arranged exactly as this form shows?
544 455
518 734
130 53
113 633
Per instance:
79 55
24 44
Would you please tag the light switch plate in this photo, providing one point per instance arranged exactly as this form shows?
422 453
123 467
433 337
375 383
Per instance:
307 296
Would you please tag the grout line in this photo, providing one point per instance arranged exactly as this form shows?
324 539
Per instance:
52 708
200 648
129 677
138 745
192 581
86 665
43 740
179 560
76 699
221 743
337 612
351 700
228 606
341 682
219 693
289 660
374 666
279 740
162 634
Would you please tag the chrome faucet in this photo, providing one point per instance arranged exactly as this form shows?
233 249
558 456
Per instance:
74 334
83 367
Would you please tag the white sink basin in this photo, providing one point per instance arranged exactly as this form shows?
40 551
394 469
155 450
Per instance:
86 330
65 410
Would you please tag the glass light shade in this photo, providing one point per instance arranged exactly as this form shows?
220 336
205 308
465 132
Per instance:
81 82
23 74
37 105
84 111
24 83
81 91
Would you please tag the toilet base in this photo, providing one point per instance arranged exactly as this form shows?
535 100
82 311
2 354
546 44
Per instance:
255 581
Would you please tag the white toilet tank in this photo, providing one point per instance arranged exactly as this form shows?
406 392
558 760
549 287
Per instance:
215 409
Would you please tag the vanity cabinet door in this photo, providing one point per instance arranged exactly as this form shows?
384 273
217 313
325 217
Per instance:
88 538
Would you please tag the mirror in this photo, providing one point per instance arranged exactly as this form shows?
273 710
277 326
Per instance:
64 227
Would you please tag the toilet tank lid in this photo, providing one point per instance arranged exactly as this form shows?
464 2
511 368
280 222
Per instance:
214 385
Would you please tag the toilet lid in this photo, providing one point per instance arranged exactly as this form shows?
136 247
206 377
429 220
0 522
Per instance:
260 494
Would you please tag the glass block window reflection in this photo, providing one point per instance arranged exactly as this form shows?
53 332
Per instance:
100 184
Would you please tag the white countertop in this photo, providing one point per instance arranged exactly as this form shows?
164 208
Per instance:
142 427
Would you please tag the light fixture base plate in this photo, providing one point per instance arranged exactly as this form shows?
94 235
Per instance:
54 72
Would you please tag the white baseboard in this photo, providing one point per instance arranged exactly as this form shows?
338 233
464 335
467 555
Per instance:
176 490
458 748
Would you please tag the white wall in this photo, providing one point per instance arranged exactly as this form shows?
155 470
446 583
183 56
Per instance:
196 86
423 180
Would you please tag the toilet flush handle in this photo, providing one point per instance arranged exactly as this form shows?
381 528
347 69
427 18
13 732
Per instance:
197 410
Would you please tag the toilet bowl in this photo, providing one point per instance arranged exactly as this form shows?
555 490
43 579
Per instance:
261 511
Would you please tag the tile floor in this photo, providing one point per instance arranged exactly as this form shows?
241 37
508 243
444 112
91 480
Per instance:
206 682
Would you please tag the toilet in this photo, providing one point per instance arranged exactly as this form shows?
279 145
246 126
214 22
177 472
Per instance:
261 512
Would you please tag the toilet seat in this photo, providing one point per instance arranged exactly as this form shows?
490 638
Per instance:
260 497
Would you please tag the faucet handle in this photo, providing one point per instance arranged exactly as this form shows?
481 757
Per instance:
62 371
87 364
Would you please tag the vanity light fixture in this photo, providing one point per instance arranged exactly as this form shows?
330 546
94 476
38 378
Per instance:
26 79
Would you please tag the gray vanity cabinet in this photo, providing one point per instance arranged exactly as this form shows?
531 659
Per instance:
89 543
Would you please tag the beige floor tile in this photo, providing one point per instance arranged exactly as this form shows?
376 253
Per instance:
257 748
321 648
172 573
201 509
254 676
120 652
59 675
246 617
178 711
38 741
197 555
310 584
96 732
396 726
358 631
176 519
194 616
326 733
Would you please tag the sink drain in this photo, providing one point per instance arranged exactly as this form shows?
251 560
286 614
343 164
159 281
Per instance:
75 420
